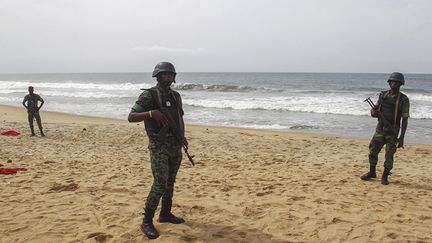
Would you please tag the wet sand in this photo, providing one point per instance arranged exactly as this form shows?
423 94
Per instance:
87 181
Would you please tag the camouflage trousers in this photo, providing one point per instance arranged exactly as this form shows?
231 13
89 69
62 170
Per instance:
31 117
165 158
380 139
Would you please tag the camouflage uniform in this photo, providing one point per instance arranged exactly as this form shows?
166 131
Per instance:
165 152
33 111
387 105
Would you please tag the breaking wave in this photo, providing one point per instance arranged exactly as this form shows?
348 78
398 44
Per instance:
218 88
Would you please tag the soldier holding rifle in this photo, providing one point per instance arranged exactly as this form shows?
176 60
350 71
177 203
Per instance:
160 108
391 108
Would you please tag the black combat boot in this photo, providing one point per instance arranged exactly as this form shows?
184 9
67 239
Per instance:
42 134
384 178
166 216
148 228
32 132
370 174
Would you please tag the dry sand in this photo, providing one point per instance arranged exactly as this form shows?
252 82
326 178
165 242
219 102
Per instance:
88 179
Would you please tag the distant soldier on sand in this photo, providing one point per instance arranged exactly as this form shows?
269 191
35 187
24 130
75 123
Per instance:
164 143
33 109
392 106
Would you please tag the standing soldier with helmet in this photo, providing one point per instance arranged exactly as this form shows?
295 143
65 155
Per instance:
392 106
164 145
33 109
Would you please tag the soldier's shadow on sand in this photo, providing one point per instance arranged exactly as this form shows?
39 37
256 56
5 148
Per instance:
223 233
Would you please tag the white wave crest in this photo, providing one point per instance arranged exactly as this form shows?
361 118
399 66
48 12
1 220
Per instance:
323 105
82 94
420 97
257 126
13 86
334 105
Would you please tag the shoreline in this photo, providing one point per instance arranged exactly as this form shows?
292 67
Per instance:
12 113
17 113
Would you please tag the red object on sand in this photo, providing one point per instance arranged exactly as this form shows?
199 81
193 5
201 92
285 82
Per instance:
10 171
10 133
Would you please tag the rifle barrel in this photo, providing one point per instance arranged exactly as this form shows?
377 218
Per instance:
370 102
176 132
188 155
380 115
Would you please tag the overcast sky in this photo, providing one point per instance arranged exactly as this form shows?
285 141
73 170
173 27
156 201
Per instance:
216 35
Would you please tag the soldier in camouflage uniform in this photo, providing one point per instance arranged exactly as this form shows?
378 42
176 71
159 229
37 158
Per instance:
165 149
33 109
394 106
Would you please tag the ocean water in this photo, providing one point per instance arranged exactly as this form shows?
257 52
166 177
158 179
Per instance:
326 103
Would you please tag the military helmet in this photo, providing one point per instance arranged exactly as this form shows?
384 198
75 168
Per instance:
163 67
397 77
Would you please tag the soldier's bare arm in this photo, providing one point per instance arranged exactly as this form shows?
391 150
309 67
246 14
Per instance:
138 116
24 102
153 114
405 116
143 110
42 102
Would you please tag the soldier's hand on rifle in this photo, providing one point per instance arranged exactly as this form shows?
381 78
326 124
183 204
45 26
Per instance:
159 117
374 112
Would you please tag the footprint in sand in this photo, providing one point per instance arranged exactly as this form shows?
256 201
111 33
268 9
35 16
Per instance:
60 188
336 220
197 208
424 217
343 181
297 198
188 238
248 212
99 236
226 188
260 194
242 234
392 235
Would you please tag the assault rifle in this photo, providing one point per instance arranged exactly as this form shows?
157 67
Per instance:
380 115
175 130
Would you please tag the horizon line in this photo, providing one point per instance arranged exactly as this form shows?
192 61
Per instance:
119 72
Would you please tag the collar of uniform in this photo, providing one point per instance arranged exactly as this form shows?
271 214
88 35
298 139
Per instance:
166 91
394 95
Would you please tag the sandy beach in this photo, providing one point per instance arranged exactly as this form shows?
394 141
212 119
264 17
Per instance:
88 179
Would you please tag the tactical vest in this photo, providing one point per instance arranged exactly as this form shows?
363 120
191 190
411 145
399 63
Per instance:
391 108
170 101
